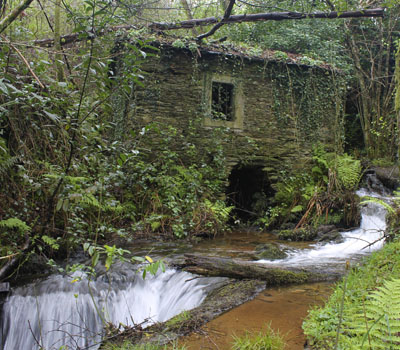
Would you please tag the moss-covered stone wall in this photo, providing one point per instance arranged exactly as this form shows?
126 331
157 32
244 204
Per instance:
280 109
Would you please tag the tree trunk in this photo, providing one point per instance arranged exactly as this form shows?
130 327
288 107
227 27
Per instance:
189 15
397 99
7 269
57 42
272 275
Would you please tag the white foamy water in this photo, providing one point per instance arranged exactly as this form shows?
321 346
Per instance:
56 312
362 240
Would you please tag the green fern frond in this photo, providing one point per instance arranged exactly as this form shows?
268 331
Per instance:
387 206
348 171
378 326
15 224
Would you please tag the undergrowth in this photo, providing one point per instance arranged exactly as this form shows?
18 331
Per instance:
371 310
267 339
320 193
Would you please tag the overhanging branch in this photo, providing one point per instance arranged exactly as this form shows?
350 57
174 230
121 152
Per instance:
273 16
221 23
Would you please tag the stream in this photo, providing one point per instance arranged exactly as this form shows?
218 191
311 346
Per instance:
70 310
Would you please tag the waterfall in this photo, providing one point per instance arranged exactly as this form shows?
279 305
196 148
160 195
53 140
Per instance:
61 311
363 240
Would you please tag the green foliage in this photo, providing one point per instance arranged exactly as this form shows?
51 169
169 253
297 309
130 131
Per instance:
369 292
378 325
109 254
382 162
263 340
321 193
348 172
178 319
15 224
176 192
13 232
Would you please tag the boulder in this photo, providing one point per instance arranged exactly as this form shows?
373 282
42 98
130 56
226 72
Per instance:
269 251
301 234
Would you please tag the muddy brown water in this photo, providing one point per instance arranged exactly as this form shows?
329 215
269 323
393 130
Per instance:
283 308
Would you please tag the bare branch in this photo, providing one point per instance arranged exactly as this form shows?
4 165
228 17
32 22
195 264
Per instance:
221 23
273 16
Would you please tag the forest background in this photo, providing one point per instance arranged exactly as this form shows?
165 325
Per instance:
69 179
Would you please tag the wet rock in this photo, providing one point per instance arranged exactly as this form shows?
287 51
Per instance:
323 229
388 176
269 251
300 234
328 233
331 236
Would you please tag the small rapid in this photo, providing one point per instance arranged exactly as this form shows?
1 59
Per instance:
63 311
355 243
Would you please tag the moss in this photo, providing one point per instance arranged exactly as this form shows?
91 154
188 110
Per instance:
270 251
300 234
289 277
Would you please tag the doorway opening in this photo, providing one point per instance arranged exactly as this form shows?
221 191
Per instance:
249 191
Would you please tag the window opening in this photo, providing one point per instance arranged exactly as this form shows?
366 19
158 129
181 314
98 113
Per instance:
222 101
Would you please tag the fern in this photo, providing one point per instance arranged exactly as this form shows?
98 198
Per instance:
378 325
15 224
387 206
348 171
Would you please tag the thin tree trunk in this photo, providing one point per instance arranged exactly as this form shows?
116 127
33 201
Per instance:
189 15
57 41
273 16
397 99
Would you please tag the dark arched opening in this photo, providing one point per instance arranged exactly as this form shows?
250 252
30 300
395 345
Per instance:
249 191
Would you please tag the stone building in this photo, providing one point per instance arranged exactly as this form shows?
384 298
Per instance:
275 105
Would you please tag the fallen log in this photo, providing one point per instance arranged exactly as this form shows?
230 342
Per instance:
273 16
199 22
239 269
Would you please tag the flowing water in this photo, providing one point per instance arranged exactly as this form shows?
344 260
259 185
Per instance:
358 242
62 310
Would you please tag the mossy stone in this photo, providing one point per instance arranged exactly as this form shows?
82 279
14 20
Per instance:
269 251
